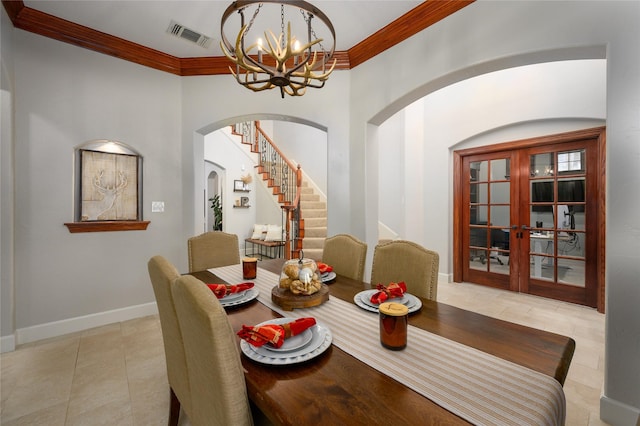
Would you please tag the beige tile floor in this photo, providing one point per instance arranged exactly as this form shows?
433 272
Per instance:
115 374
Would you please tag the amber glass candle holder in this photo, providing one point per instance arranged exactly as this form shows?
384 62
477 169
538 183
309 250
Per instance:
394 319
249 268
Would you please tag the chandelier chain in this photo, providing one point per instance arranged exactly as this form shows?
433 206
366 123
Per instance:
253 18
307 18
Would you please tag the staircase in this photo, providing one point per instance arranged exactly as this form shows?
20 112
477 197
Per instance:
314 212
306 219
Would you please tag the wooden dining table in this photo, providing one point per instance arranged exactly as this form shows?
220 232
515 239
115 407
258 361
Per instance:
338 388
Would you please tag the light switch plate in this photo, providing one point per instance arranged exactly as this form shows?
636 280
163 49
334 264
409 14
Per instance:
157 206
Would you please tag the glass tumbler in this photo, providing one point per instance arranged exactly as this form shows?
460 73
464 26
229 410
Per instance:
249 268
394 319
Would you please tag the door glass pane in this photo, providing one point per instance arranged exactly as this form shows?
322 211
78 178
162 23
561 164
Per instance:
500 169
571 271
571 162
571 244
478 260
542 165
479 171
500 216
500 192
478 215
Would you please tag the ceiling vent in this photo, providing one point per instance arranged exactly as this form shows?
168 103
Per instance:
185 33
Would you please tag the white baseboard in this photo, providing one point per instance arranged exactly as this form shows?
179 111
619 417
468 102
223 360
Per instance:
8 343
617 413
72 325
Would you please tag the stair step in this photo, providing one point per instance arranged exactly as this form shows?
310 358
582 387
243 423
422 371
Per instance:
313 243
311 213
315 222
313 205
320 232
309 197
315 254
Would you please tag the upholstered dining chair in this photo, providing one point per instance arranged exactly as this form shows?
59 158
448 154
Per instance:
346 254
212 250
163 274
218 389
401 260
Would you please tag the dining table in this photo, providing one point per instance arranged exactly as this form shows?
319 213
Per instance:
346 384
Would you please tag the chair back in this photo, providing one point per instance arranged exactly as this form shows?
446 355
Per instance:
401 260
163 274
346 254
218 389
212 250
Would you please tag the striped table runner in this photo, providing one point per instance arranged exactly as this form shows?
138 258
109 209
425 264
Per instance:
479 387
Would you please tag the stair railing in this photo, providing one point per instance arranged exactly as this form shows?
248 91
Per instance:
280 174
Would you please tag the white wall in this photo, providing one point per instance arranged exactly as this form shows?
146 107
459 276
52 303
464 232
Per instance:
304 145
537 99
465 45
7 312
66 96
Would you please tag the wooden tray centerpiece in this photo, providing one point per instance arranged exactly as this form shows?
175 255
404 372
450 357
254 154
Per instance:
300 285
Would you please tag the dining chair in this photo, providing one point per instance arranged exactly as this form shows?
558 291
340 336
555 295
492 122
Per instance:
401 260
163 274
346 254
212 250
218 389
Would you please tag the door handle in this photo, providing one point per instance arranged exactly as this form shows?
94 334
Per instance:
525 227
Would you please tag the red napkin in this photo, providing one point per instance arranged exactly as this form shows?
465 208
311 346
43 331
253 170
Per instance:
274 333
323 267
221 290
388 292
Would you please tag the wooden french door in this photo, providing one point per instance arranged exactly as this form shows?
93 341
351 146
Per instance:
528 217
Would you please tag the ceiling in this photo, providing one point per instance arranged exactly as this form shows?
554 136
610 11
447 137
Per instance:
136 30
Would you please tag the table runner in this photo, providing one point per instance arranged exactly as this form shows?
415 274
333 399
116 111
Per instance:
478 387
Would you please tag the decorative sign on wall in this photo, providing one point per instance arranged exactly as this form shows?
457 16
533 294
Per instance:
109 186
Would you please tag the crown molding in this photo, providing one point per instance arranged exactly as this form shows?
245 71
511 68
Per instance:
32 20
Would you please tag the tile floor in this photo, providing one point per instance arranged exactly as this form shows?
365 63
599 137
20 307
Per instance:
115 374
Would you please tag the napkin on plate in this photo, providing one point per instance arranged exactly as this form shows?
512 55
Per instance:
222 290
388 292
274 333
324 268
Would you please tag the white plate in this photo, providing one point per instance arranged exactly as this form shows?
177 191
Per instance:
329 276
293 343
320 342
366 298
414 304
248 296
233 296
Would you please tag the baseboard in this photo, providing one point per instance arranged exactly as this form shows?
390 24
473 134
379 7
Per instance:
617 413
8 343
72 325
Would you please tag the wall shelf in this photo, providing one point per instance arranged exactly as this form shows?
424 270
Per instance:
107 226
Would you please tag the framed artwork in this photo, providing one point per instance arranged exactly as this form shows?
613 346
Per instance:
244 201
238 185
109 186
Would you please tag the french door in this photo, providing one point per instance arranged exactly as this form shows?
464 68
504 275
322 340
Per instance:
528 217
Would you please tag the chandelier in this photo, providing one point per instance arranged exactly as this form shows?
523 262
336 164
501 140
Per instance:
283 61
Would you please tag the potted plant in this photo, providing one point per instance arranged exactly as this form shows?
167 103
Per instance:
217 212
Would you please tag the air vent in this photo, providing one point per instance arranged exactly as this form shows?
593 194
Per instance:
185 33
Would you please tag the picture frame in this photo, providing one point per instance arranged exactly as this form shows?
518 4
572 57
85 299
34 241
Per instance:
238 185
109 187
244 201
